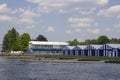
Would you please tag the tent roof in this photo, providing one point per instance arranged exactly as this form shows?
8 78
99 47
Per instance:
82 46
114 45
96 46
68 48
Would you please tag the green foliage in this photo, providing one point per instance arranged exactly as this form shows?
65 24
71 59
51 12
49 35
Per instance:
88 41
13 42
103 39
115 41
74 42
10 40
100 40
23 41
6 40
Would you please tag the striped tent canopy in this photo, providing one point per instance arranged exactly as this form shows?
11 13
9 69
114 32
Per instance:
68 48
79 47
111 46
93 46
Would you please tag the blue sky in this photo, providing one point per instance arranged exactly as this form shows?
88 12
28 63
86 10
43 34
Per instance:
61 20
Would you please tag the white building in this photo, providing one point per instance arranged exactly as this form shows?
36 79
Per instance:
42 47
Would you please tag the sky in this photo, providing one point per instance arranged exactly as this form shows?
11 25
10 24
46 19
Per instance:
61 20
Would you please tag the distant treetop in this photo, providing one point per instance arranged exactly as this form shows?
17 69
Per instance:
41 38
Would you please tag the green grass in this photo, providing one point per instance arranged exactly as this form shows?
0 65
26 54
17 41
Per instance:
63 56
77 57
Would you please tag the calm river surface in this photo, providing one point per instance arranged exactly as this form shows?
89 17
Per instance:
15 69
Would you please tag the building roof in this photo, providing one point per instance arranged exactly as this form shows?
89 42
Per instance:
47 43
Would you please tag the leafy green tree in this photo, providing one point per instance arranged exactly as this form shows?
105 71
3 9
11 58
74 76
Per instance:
90 41
114 41
6 42
24 41
119 40
14 40
10 40
103 39
74 42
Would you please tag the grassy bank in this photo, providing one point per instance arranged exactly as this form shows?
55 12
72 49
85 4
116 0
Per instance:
79 57
62 57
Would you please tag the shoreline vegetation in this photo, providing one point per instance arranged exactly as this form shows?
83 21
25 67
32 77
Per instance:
61 58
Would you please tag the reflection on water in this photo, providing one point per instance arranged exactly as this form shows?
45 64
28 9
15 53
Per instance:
15 69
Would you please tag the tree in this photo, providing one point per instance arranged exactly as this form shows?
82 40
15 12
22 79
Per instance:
74 42
103 39
114 41
24 41
10 40
88 41
41 38
6 42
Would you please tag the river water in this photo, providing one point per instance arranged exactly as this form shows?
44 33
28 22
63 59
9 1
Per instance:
15 69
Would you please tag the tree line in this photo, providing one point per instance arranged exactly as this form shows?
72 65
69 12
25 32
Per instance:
12 41
103 39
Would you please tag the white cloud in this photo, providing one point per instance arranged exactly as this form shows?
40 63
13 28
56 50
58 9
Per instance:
25 16
50 29
113 11
46 6
68 32
26 20
87 11
4 8
28 14
18 10
117 25
6 18
96 24
108 29
20 16
73 31
80 22
77 30
93 31
30 26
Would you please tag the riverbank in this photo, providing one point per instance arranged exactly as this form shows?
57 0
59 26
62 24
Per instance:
61 58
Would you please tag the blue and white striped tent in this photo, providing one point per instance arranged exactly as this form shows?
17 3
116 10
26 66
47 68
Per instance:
92 50
68 50
79 50
112 50
95 50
